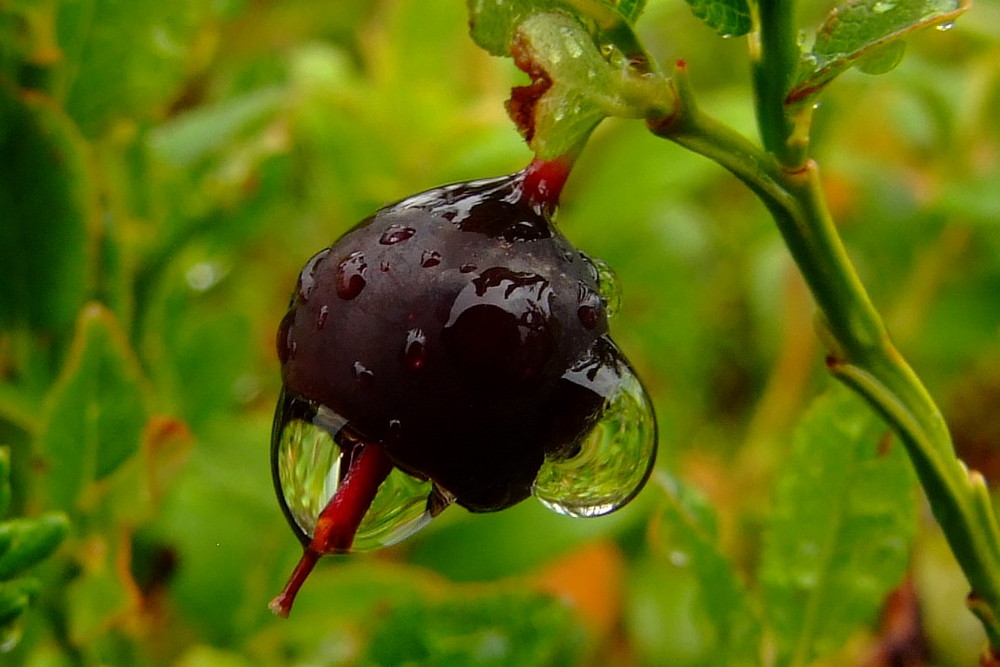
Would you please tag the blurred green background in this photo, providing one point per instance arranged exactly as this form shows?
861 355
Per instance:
166 169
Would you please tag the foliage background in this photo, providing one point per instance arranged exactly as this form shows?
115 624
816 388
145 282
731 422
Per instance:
168 167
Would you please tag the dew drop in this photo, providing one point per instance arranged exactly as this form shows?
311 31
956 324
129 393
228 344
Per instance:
396 234
945 27
467 268
430 258
351 274
607 467
588 316
285 341
324 313
362 374
589 309
383 266
307 277
415 350
309 465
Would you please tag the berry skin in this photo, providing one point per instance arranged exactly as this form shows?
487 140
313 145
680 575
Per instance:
441 327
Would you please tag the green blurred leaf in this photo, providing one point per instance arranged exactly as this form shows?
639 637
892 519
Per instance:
856 29
839 534
29 541
501 628
15 598
4 482
96 411
126 60
690 536
100 595
47 214
974 200
729 18
207 130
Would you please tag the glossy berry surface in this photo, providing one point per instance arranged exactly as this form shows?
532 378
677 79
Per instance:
461 334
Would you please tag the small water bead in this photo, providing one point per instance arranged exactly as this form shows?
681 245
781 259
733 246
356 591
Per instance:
351 275
396 234
467 268
324 314
589 309
285 340
612 462
307 277
430 258
415 349
362 373
309 466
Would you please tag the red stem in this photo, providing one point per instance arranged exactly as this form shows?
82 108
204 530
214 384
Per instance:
339 520
544 181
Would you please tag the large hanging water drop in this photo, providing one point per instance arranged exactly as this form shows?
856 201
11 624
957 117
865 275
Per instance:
310 455
608 466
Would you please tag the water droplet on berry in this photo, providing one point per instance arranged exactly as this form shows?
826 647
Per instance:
285 343
430 258
396 234
310 455
307 277
589 316
351 274
415 351
606 468
362 374
324 313
467 268
589 309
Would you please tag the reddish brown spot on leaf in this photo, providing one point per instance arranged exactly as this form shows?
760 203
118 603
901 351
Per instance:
524 99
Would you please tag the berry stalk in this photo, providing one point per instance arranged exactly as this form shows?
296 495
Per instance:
544 181
339 520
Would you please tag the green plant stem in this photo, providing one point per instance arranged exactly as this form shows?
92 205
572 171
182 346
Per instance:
861 352
774 54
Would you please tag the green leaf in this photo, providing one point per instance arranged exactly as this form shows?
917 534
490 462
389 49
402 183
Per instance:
15 598
4 481
207 130
48 214
504 628
29 541
857 29
96 410
839 534
493 23
689 533
729 18
126 59
631 9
